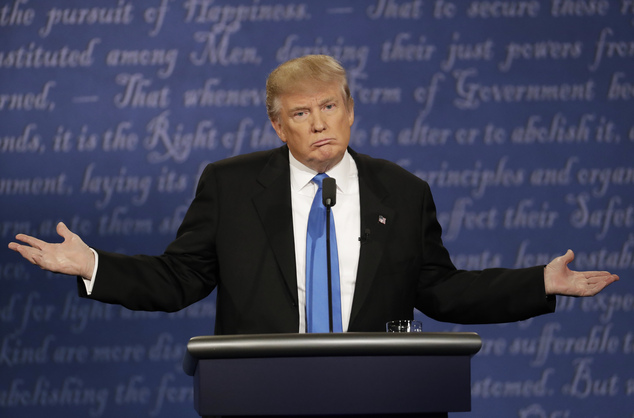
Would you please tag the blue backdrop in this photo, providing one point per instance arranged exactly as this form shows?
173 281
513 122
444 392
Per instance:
518 113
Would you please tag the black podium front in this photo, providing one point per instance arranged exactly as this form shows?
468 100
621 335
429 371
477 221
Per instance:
408 374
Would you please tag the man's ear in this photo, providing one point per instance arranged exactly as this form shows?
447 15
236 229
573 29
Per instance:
278 129
351 114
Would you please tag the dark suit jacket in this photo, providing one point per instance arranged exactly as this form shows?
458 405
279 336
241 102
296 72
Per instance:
238 236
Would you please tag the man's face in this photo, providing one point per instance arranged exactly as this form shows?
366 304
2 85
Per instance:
315 123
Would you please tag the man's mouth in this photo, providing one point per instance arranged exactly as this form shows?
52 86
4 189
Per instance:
322 142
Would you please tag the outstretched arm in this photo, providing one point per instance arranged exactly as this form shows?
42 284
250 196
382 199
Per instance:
560 280
72 256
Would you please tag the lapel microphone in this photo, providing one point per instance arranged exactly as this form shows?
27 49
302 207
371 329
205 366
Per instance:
366 236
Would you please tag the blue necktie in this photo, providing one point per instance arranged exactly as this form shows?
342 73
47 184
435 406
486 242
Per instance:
317 319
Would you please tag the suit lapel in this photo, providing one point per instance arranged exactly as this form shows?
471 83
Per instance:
375 226
273 205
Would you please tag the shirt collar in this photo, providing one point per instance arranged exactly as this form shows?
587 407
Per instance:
301 175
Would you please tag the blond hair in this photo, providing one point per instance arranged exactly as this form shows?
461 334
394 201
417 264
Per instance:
288 75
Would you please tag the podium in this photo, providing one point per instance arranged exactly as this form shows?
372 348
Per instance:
343 374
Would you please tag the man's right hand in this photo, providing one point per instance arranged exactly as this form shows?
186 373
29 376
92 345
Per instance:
72 256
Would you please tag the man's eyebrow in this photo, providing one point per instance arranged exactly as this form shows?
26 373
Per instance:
306 107
296 108
327 99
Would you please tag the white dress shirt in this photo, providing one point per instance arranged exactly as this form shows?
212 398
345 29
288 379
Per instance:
347 215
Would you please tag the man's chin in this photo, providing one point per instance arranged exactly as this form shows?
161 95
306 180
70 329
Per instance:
325 159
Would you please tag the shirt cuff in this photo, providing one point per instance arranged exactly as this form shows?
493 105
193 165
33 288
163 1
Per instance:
90 283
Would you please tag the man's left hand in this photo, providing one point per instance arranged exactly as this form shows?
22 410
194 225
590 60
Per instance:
560 280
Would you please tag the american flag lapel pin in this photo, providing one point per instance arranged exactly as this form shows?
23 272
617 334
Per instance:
382 219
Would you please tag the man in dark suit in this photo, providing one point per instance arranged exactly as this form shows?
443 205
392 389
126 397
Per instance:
245 234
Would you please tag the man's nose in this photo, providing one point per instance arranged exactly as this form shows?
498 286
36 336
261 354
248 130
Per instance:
319 124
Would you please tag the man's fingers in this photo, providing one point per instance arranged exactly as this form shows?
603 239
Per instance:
611 278
32 241
601 276
29 253
596 281
23 249
598 273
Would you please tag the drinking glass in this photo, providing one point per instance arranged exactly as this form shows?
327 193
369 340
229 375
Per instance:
404 325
